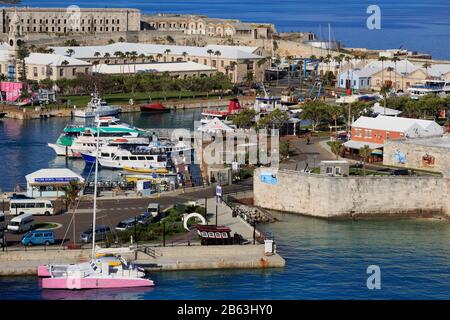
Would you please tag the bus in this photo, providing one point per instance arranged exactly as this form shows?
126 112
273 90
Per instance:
33 206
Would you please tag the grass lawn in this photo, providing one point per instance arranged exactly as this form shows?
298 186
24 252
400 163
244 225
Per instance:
45 225
141 97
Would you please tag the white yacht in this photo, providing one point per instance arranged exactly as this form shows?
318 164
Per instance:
438 87
118 158
97 107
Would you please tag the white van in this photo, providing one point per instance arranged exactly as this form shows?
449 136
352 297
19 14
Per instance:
22 223
33 206
2 221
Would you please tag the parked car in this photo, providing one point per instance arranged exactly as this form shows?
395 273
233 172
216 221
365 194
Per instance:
154 209
21 223
101 232
145 218
126 224
39 237
20 196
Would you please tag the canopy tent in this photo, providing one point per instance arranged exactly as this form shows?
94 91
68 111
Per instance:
352 144
215 125
61 176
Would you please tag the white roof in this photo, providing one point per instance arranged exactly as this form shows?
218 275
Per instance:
352 144
53 59
188 66
381 110
215 125
227 52
396 124
52 175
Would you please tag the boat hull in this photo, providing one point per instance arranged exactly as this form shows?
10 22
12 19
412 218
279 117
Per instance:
99 113
88 158
60 150
76 283
43 271
154 108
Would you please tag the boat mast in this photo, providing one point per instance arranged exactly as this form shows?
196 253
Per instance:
94 215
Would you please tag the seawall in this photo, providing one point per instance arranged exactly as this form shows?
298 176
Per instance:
195 257
344 197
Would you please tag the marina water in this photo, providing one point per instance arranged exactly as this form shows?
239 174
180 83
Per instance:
324 260
412 24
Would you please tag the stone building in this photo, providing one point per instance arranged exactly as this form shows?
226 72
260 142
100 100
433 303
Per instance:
234 61
71 20
203 25
426 154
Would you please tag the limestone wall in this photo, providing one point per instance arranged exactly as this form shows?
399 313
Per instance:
332 197
414 156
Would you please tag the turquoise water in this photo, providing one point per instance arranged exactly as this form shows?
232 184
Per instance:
324 260
414 24
24 149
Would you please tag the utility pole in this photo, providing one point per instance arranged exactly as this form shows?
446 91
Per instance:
164 234
216 211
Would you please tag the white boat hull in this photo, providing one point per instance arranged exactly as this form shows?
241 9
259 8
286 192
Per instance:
94 113
114 164
60 150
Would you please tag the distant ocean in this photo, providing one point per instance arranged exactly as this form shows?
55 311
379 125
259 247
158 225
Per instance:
413 24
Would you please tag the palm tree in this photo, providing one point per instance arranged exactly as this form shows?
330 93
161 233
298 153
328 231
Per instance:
133 56
166 52
329 58
217 54
289 60
107 55
365 153
426 65
70 52
159 56
142 57
390 69
336 148
121 39
70 198
118 55
210 52
184 54
395 59
338 60
382 59
233 65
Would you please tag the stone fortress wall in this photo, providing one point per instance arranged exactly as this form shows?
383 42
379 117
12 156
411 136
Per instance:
342 197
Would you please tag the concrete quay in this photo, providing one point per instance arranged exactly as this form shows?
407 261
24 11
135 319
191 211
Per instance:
195 257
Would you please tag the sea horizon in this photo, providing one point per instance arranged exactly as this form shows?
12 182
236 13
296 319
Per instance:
413 25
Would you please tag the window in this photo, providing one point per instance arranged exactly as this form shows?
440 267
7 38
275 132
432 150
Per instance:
368 133
35 71
61 72
74 71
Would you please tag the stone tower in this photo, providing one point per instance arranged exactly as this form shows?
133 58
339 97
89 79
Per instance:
15 37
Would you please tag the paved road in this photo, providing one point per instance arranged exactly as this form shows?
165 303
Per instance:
112 211
305 154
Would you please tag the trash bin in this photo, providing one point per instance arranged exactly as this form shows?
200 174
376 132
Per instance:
268 247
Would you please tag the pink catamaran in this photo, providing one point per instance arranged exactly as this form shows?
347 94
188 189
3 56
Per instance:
99 273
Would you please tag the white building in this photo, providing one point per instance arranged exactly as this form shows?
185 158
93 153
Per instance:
50 182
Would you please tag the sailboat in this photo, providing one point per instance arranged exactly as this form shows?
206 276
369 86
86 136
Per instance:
100 272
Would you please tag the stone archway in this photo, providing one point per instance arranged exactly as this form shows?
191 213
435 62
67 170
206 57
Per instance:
193 215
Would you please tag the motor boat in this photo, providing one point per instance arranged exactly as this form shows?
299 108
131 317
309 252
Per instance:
154 108
234 107
97 108
109 127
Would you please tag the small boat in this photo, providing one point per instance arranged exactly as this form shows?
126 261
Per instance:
97 108
145 170
155 107
98 273
234 107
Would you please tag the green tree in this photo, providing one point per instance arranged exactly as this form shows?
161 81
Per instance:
70 197
315 111
364 154
22 54
244 119
275 119
284 149
337 148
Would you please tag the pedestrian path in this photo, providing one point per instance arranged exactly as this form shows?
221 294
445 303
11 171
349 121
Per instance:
225 218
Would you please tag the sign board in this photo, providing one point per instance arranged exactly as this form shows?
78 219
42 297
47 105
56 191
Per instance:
268 177
55 179
219 191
